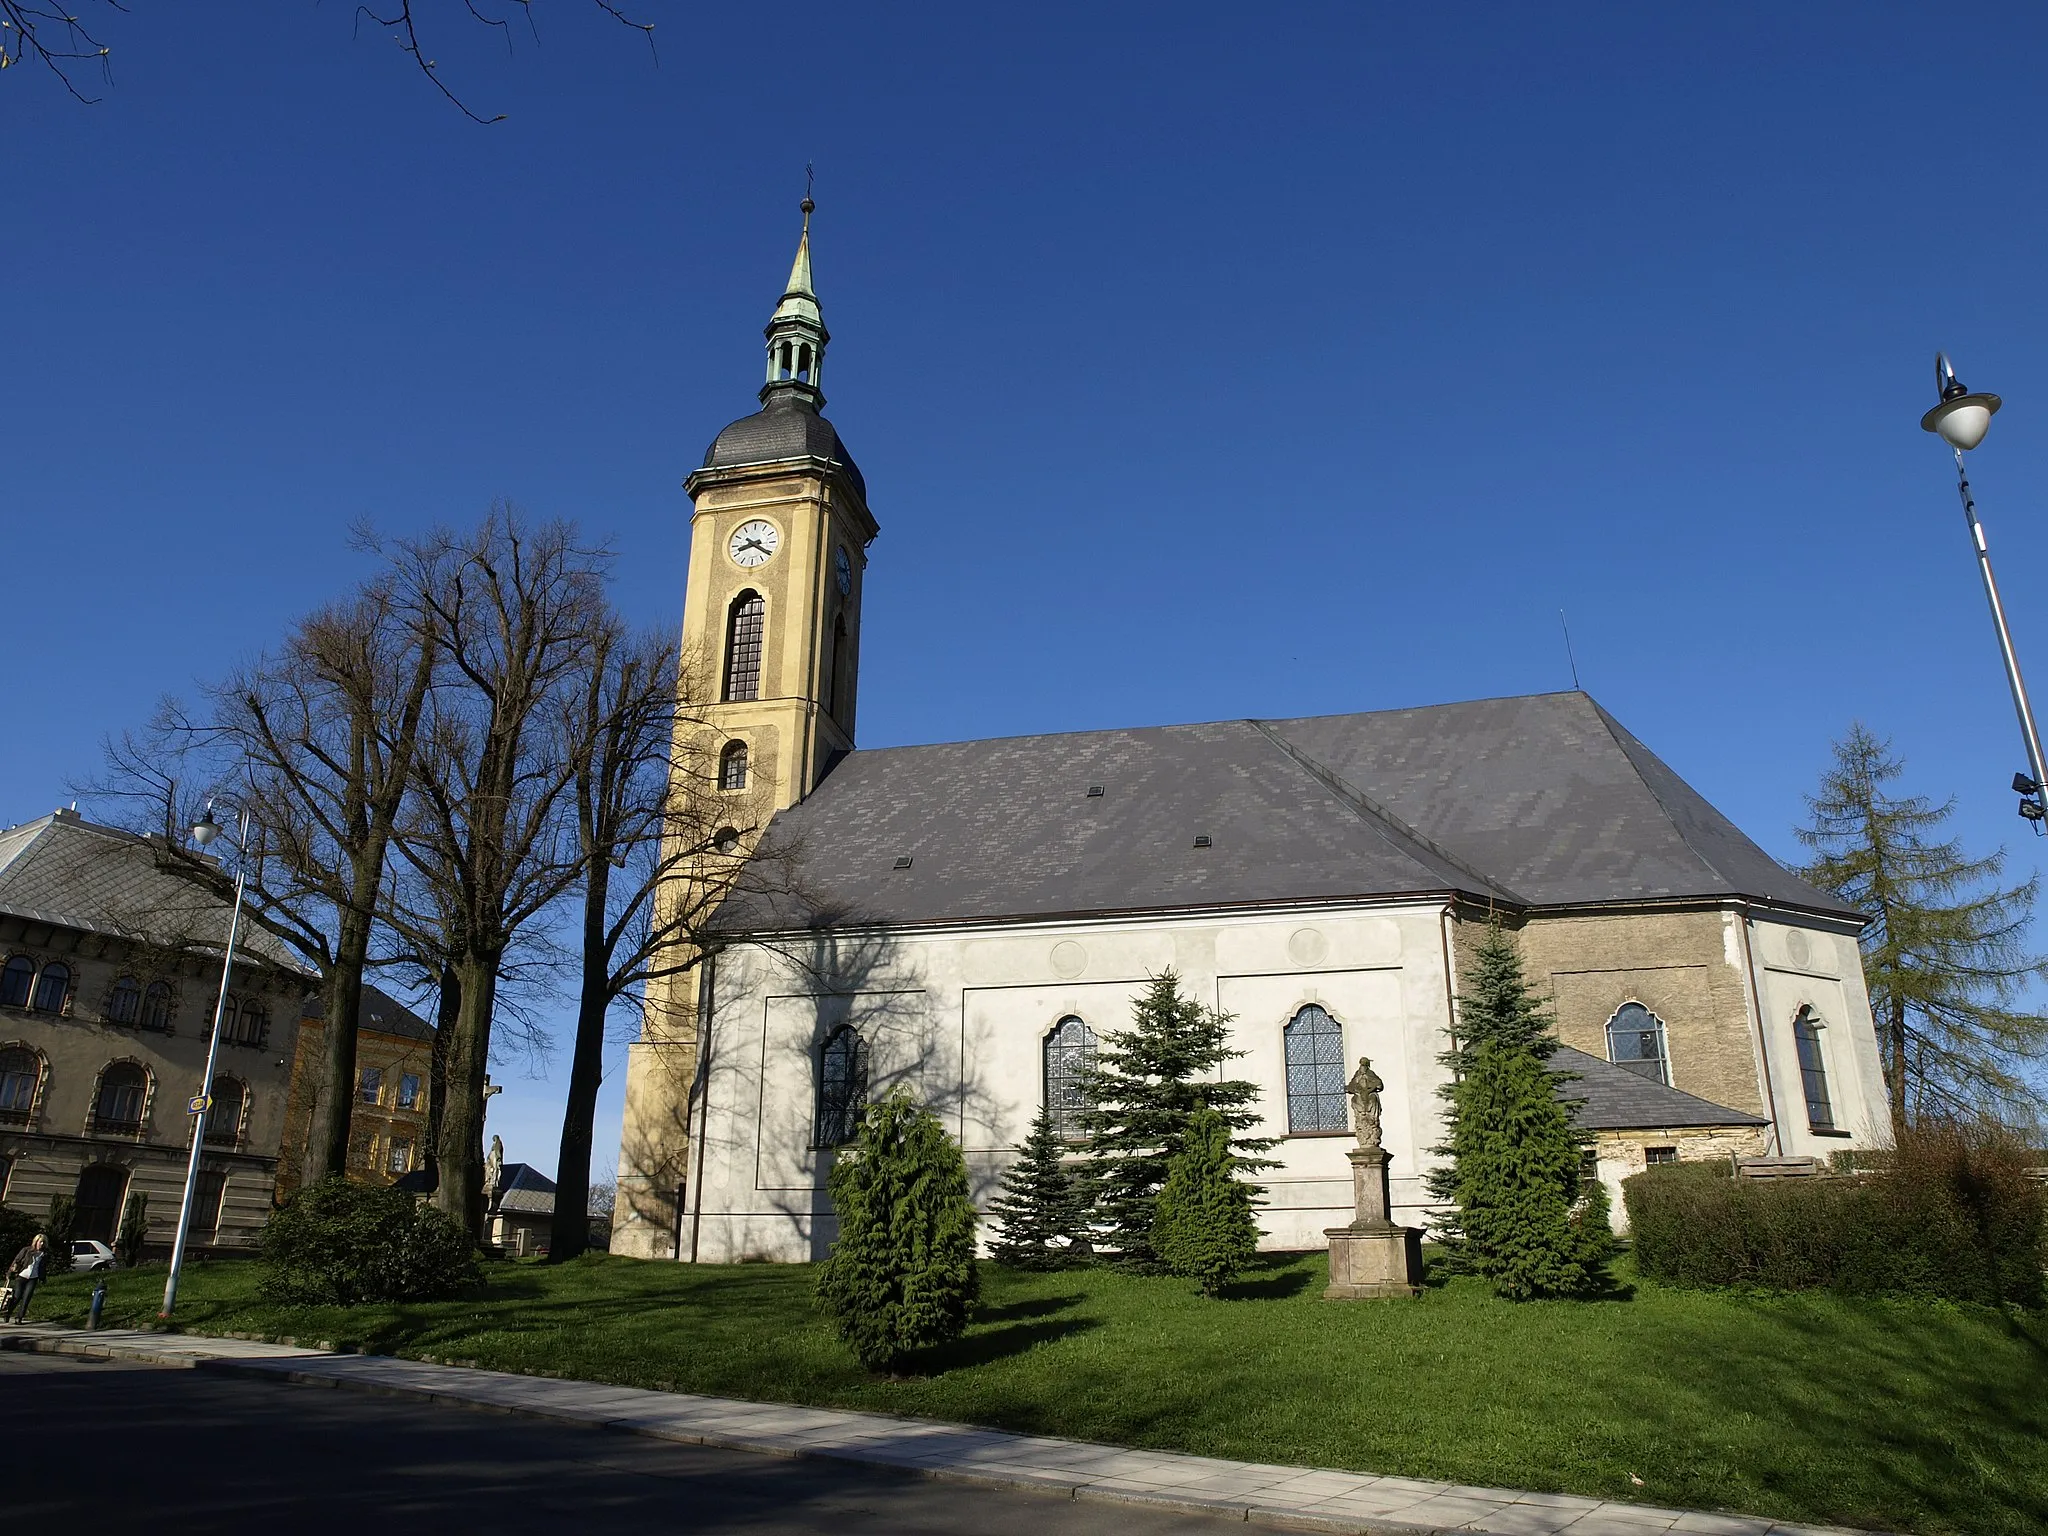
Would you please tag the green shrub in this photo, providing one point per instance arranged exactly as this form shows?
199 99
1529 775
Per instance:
1204 1230
57 1226
902 1275
339 1243
1952 1214
134 1231
17 1230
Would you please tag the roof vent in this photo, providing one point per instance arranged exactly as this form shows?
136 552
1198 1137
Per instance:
904 862
1094 791
1202 841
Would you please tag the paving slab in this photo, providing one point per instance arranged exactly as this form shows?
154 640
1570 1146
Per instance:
1304 1498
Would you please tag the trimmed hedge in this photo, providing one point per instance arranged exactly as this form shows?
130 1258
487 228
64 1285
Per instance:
339 1243
1952 1214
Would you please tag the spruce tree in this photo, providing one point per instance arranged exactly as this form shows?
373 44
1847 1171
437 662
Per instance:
1946 958
1204 1230
1513 1153
1043 1222
902 1275
1146 1082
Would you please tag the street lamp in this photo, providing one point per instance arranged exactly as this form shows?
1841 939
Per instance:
1962 419
204 831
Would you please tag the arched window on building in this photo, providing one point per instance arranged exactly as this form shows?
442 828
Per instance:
1315 1072
732 766
247 1022
21 1073
52 987
224 1119
743 628
124 1003
1813 1070
842 1085
156 1005
1069 1057
1635 1043
117 1110
835 676
17 980
96 1211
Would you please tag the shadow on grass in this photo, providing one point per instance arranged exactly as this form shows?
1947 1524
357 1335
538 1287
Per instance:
1019 1311
998 1344
1274 1287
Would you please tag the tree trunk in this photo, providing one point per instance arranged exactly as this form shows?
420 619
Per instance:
335 1096
571 1234
460 1140
446 1007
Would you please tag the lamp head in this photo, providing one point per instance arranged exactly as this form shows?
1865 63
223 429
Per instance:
206 829
1962 418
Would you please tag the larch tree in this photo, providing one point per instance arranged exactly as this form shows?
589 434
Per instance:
1146 1083
1945 956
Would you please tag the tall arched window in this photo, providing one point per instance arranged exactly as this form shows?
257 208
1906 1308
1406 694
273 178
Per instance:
732 766
156 1005
1315 1072
52 986
842 1085
118 1109
743 626
835 676
1813 1071
1635 1043
17 981
21 1073
1069 1058
124 1003
224 1119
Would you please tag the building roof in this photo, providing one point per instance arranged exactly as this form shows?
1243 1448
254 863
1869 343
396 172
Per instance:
524 1187
1612 1098
785 428
379 1012
64 870
1541 800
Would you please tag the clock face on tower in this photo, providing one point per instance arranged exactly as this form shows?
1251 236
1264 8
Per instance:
753 542
844 567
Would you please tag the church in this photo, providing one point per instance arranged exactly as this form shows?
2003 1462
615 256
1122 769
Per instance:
966 921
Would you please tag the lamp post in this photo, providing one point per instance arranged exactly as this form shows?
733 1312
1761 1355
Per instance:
204 831
1962 419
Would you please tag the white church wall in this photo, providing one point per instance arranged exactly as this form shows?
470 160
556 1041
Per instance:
961 1018
1818 968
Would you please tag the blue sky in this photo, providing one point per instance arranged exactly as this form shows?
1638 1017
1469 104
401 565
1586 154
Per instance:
1202 361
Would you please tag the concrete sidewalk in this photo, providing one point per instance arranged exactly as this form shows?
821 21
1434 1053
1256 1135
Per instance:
1292 1497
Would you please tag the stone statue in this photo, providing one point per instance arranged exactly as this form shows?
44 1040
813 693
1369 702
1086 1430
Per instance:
494 1170
1364 1088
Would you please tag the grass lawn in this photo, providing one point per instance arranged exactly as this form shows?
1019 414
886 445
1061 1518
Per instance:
1910 1416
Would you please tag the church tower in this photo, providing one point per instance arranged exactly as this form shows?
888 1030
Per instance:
777 550
771 653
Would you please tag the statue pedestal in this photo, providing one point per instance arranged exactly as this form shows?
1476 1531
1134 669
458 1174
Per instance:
1372 1257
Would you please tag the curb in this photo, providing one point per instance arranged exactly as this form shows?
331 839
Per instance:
286 1369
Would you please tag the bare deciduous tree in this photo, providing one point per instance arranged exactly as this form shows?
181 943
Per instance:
516 607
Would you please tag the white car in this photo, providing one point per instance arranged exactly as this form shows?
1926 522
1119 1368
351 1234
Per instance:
91 1253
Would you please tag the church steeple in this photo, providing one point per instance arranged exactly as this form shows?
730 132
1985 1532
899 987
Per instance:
796 333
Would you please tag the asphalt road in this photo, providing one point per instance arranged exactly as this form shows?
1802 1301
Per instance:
112 1446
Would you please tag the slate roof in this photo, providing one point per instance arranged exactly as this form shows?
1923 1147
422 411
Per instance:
65 870
785 428
1612 1098
1541 800
524 1187
380 1011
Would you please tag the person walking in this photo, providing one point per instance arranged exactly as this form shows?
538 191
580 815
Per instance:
25 1273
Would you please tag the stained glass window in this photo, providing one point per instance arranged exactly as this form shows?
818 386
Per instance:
1069 1057
743 647
842 1086
1635 1043
1315 1072
1813 1071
